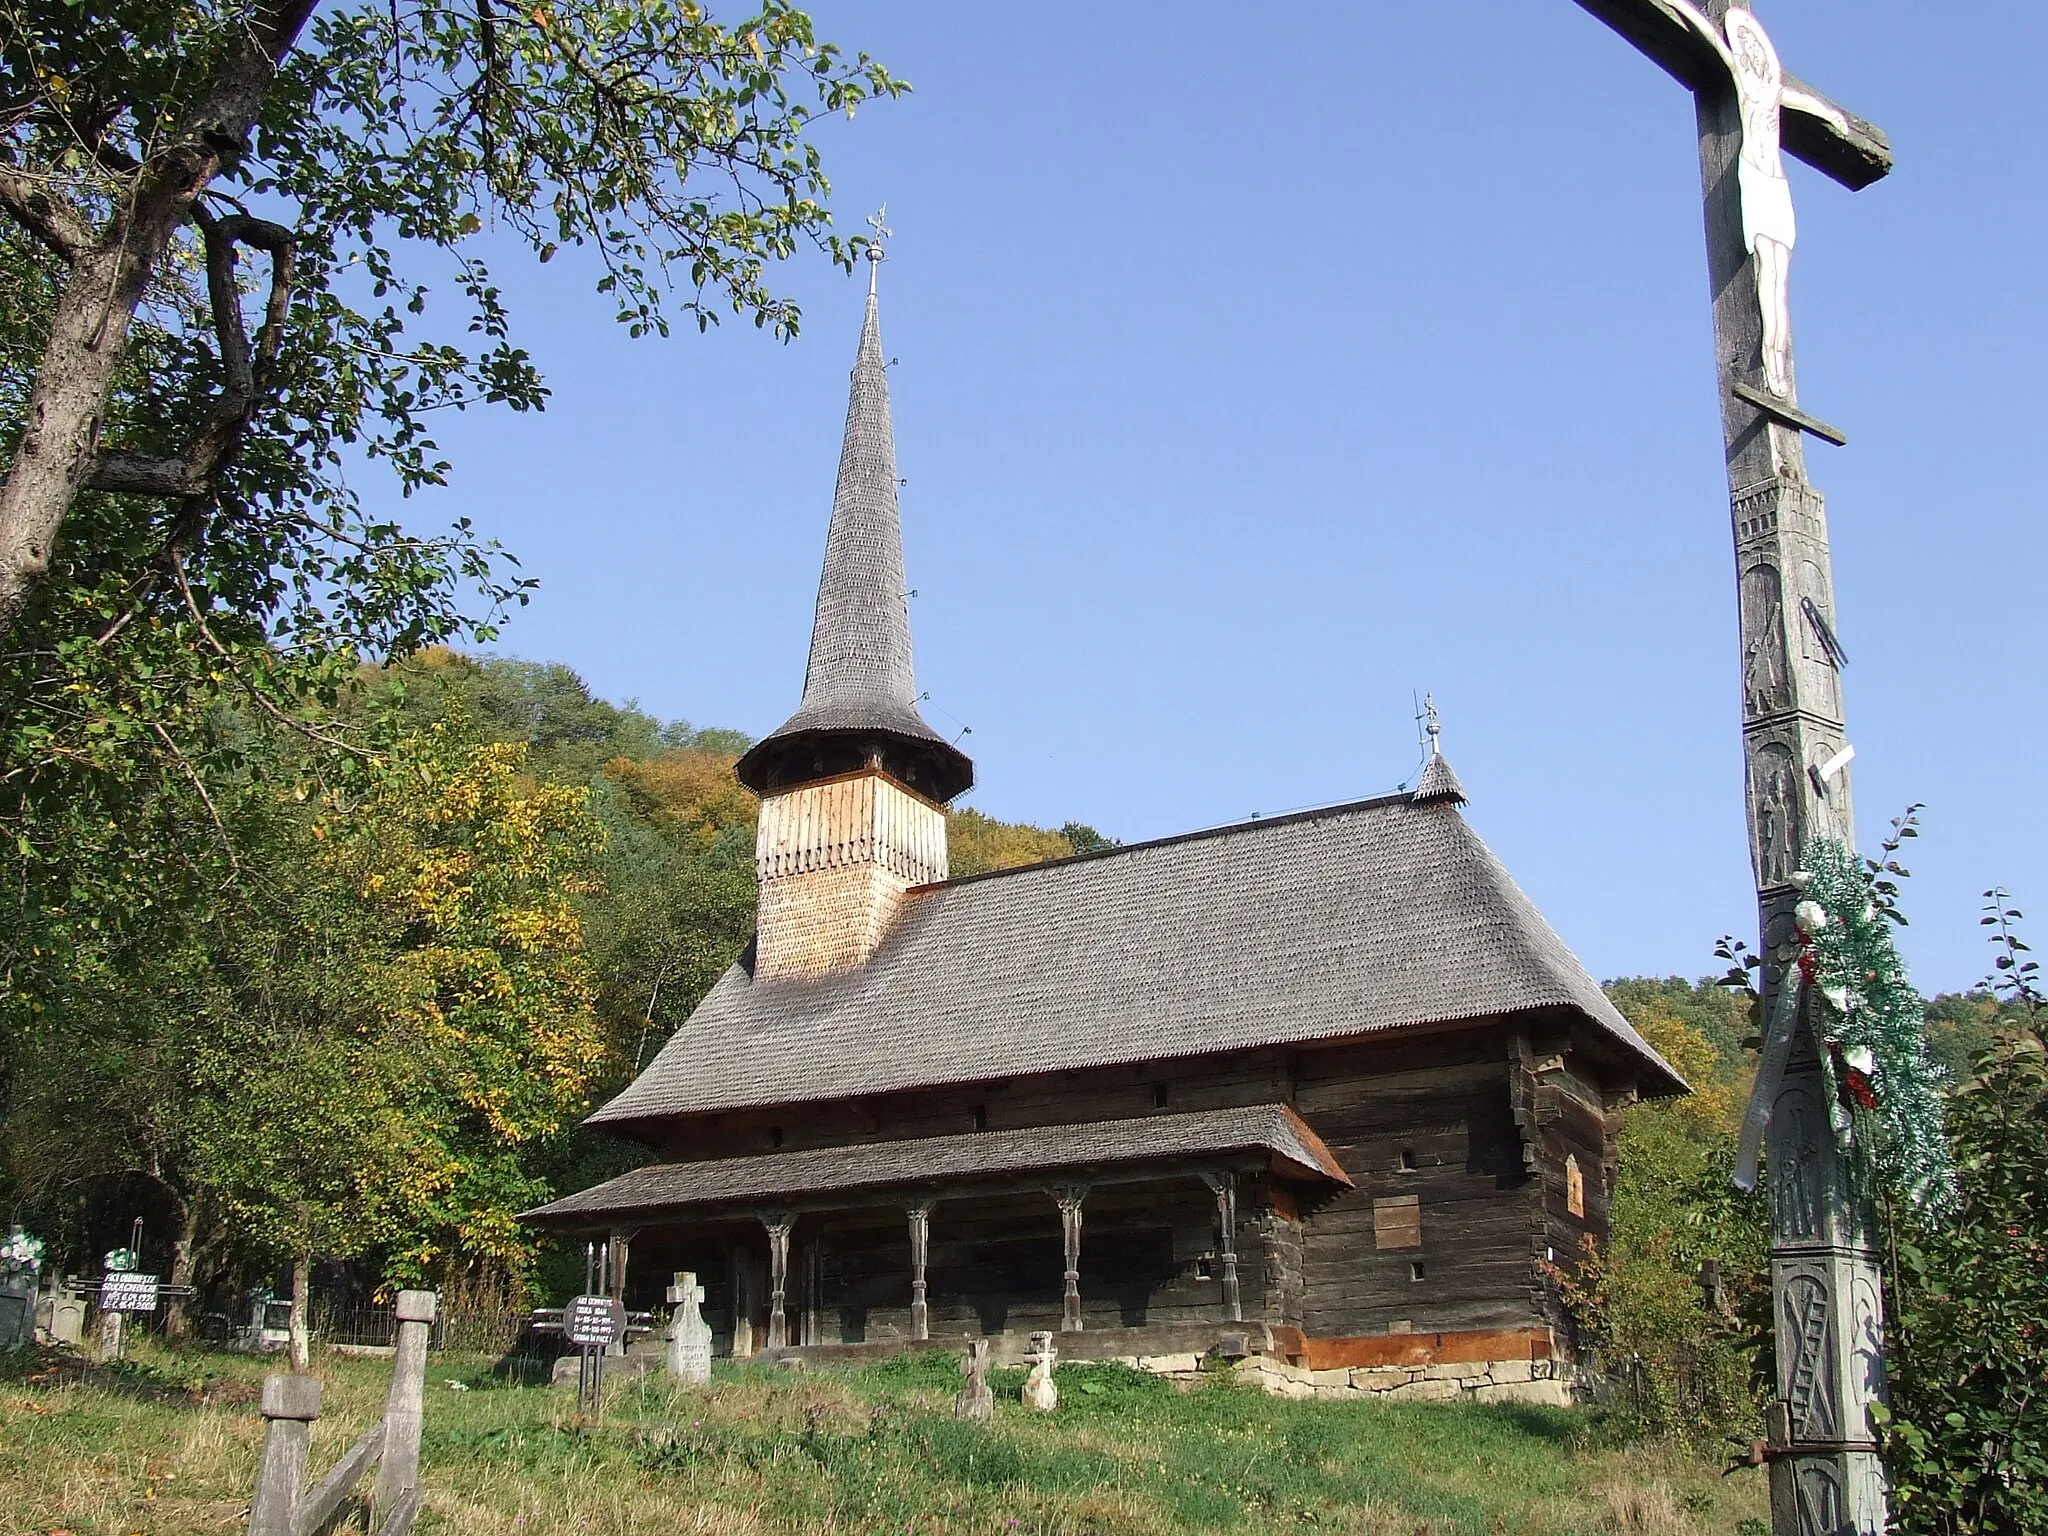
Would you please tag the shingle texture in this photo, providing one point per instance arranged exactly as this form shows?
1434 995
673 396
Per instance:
859 679
1271 1129
1346 921
1438 782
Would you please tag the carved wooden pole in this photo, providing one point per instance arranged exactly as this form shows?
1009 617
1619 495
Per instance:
1225 1187
404 1407
920 1241
1827 1290
290 1405
1070 1199
779 1226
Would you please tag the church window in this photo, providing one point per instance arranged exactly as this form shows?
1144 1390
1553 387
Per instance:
981 1117
1397 1222
1159 1095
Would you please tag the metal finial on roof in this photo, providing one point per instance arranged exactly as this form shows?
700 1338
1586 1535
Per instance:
877 221
1438 782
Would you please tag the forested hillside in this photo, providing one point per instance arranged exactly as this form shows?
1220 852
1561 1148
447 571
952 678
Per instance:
368 1027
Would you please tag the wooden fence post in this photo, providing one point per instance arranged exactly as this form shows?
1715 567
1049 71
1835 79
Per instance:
290 1405
400 1467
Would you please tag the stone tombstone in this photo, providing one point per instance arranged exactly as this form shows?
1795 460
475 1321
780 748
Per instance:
689 1336
975 1401
1040 1394
60 1314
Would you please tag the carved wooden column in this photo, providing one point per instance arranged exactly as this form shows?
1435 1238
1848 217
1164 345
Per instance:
1070 1198
778 1224
920 1242
1224 1185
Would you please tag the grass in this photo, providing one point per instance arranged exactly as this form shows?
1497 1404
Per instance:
166 1445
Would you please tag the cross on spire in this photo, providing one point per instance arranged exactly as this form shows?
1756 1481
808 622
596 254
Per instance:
877 221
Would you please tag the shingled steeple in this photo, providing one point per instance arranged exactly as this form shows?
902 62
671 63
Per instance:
859 706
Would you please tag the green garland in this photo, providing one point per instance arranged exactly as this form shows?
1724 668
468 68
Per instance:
1870 1024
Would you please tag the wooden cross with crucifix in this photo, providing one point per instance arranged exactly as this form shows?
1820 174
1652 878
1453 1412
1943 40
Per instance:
1827 1293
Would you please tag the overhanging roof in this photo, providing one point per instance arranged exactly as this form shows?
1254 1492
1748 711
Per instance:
1273 1133
1326 925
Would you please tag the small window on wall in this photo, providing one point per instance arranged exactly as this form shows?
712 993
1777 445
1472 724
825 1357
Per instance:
1159 1095
1407 1159
1397 1222
775 1136
1574 1187
1415 1271
981 1117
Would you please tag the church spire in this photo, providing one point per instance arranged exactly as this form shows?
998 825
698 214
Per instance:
859 704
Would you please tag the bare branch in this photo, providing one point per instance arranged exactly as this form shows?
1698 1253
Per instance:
227 843
51 220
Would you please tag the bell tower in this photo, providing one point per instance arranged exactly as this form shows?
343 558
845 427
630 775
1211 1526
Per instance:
854 785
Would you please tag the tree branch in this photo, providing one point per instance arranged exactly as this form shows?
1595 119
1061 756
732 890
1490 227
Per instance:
51 220
245 370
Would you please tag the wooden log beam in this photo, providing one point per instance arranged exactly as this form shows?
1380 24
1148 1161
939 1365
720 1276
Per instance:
1834 141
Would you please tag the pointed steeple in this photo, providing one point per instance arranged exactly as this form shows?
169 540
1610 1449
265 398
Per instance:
859 704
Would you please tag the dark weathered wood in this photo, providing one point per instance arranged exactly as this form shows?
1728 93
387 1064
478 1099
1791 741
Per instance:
1831 139
1790 415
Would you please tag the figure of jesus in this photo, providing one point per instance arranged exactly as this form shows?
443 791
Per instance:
1768 228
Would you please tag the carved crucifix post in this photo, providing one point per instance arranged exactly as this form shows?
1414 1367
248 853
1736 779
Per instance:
920 1239
1826 1478
1070 1198
1224 1187
779 1225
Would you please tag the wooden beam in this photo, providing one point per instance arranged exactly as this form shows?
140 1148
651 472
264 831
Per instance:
1834 141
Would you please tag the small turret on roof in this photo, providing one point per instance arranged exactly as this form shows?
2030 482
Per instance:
859 704
1438 782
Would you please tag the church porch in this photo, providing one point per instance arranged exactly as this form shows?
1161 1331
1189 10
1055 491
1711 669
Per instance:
1178 1234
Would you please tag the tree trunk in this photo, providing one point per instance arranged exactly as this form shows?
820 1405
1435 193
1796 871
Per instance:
302 1340
177 1309
61 430
109 273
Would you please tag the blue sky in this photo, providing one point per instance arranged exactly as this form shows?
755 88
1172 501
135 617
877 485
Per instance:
1259 369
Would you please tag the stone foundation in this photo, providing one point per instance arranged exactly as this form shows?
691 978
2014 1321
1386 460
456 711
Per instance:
1425 1368
1472 1381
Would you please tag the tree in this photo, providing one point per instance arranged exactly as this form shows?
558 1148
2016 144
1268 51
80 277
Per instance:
145 146
1638 1307
1966 1446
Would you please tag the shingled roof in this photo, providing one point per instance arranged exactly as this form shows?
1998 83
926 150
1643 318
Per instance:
1102 1149
859 683
1347 921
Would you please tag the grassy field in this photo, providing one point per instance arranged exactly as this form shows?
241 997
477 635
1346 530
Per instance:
166 1445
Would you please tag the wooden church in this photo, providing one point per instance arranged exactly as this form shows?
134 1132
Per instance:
1320 1094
